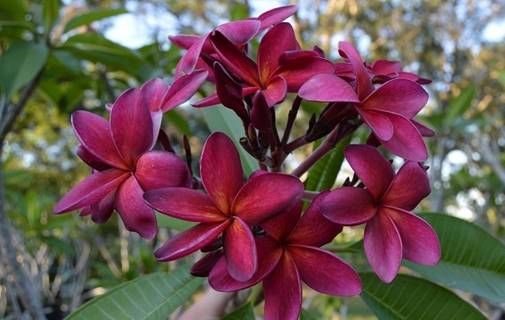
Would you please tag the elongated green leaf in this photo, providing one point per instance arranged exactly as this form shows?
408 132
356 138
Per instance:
153 296
94 47
19 65
219 118
165 221
323 174
245 312
409 297
459 104
472 259
50 10
92 16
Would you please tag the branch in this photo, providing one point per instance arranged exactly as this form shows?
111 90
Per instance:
7 120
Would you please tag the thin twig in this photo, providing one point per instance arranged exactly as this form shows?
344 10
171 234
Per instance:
291 120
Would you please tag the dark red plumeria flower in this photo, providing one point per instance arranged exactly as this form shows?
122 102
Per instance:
288 254
276 73
118 150
388 110
392 231
384 70
239 32
230 207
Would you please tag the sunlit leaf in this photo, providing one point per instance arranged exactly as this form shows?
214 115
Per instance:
472 259
92 16
409 297
148 297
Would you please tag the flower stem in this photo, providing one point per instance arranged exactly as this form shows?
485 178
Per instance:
337 134
291 120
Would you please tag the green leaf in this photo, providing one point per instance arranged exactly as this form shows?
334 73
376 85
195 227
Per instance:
152 296
472 259
245 312
459 104
50 11
177 119
92 16
165 221
409 297
94 47
323 174
219 118
19 65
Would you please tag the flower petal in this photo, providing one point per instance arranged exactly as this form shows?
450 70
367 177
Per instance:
137 216
229 91
406 141
386 67
221 170
363 80
400 96
419 240
383 247
269 254
91 190
94 134
185 204
408 188
234 59
264 196
240 32
204 266
182 89
325 272
299 70
184 41
313 229
189 60
423 129
348 206
208 101
283 291
371 167
131 125
189 241
261 118
327 87
160 169
276 15
152 93
101 211
379 122
280 226
276 91
240 250
90 159
275 42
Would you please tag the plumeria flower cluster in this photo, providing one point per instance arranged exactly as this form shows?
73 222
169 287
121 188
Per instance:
266 228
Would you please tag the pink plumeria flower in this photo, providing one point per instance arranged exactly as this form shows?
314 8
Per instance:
281 66
288 254
230 207
119 151
392 231
239 32
388 110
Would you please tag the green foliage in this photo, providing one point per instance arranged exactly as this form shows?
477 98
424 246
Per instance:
323 174
149 297
50 13
245 312
219 118
92 16
409 297
165 221
19 65
472 259
459 104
